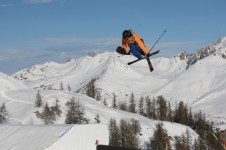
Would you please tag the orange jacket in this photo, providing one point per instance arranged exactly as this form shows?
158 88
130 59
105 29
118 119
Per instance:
135 38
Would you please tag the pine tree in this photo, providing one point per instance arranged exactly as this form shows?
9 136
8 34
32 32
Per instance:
114 102
200 124
123 106
48 115
148 108
61 85
91 90
190 119
132 105
213 142
188 139
135 126
38 102
123 132
125 135
129 135
3 113
183 142
153 109
141 106
56 108
114 134
181 113
75 113
162 108
159 138
68 87
170 113
201 144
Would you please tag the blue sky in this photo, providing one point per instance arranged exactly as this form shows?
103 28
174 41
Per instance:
36 31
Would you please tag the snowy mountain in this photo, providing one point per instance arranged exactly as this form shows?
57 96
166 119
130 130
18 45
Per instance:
8 83
218 48
197 79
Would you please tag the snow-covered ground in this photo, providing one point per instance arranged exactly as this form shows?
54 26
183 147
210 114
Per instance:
54 137
202 87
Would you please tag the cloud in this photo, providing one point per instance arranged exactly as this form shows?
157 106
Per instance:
57 47
82 43
186 45
6 5
72 46
10 54
43 1
78 40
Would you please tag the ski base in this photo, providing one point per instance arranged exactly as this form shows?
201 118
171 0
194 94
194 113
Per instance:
149 64
145 57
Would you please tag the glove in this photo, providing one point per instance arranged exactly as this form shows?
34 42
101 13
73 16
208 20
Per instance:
121 50
148 55
127 53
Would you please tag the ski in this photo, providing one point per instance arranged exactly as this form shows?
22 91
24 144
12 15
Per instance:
145 57
149 64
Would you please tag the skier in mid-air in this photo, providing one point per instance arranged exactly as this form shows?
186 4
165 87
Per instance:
136 45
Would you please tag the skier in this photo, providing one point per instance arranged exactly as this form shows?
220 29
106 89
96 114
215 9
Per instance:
136 45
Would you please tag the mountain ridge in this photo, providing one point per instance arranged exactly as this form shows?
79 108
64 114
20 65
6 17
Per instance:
189 76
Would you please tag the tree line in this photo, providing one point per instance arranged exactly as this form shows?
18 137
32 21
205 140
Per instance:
159 109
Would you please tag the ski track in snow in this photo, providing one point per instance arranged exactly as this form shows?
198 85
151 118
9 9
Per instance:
3 94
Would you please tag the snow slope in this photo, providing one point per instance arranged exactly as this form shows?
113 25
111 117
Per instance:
59 137
82 137
8 83
56 137
30 137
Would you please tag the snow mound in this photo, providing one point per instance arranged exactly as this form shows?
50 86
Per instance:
54 137
30 137
82 137
8 83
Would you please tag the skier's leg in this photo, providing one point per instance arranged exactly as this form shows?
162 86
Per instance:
136 51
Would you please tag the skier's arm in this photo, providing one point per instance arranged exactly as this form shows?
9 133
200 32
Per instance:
124 45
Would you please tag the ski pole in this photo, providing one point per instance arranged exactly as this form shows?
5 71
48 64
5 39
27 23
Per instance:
157 40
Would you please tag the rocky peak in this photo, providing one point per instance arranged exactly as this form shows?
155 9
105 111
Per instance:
218 48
